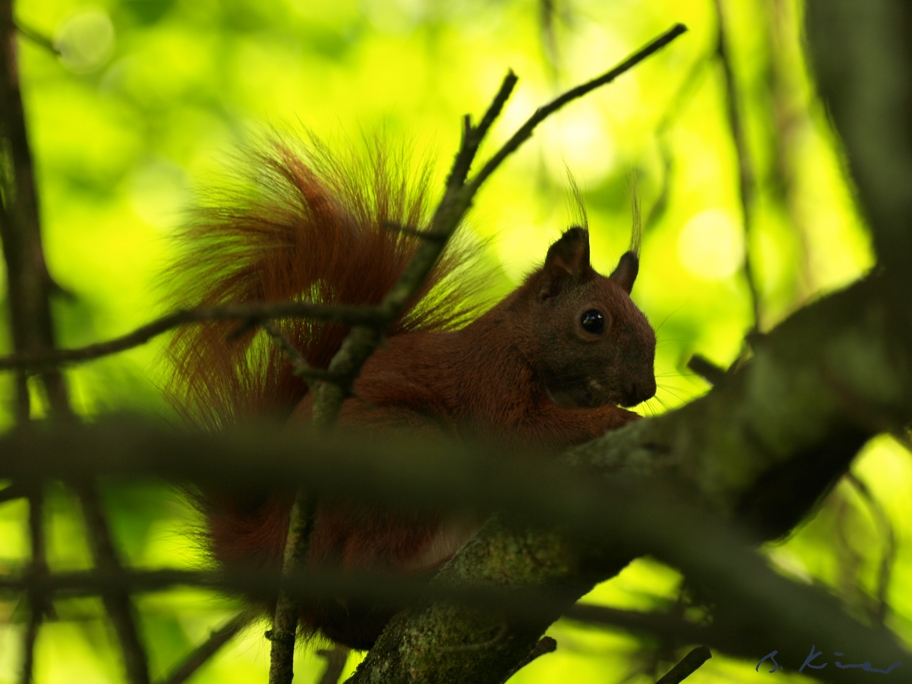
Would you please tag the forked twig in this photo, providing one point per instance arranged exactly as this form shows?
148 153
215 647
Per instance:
360 343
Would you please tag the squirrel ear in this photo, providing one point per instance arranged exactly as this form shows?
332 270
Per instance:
567 262
626 271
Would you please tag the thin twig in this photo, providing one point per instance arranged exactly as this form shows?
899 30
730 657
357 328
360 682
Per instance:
38 38
29 641
410 231
688 665
672 110
706 369
117 602
38 601
746 180
458 198
285 623
525 131
362 340
472 136
301 368
204 652
250 313
888 558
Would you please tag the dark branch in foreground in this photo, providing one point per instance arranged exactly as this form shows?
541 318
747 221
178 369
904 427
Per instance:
383 590
706 369
688 665
750 481
11 493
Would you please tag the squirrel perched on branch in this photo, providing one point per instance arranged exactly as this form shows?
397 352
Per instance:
546 368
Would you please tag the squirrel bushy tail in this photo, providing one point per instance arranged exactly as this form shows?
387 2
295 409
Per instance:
304 224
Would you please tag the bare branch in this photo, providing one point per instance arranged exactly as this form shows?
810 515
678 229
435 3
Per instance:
888 558
706 369
201 655
472 136
117 603
301 368
361 342
38 602
688 665
285 623
345 366
746 180
38 38
252 314
29 285
542 113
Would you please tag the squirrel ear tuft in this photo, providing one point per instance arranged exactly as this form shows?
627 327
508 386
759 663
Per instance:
567 262
626 272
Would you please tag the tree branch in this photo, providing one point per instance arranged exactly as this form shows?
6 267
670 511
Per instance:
118 604
542 113
29 284
747 189
201 655
250 314
688 665
38 603
361 342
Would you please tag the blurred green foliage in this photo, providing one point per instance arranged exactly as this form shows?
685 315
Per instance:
149 98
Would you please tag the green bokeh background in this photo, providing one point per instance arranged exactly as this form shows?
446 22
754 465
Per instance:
150 98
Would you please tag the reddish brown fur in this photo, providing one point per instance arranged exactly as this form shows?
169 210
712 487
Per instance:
525 372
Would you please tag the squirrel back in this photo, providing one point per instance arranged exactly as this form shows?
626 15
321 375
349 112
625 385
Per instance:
547 367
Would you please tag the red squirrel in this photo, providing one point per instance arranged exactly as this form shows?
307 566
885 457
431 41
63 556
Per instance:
546 368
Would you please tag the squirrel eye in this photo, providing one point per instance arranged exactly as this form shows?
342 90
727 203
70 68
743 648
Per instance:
593 321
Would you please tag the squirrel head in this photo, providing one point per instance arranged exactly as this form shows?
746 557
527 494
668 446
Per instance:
587 341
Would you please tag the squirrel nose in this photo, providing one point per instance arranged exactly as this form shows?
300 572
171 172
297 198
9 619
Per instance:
639 391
